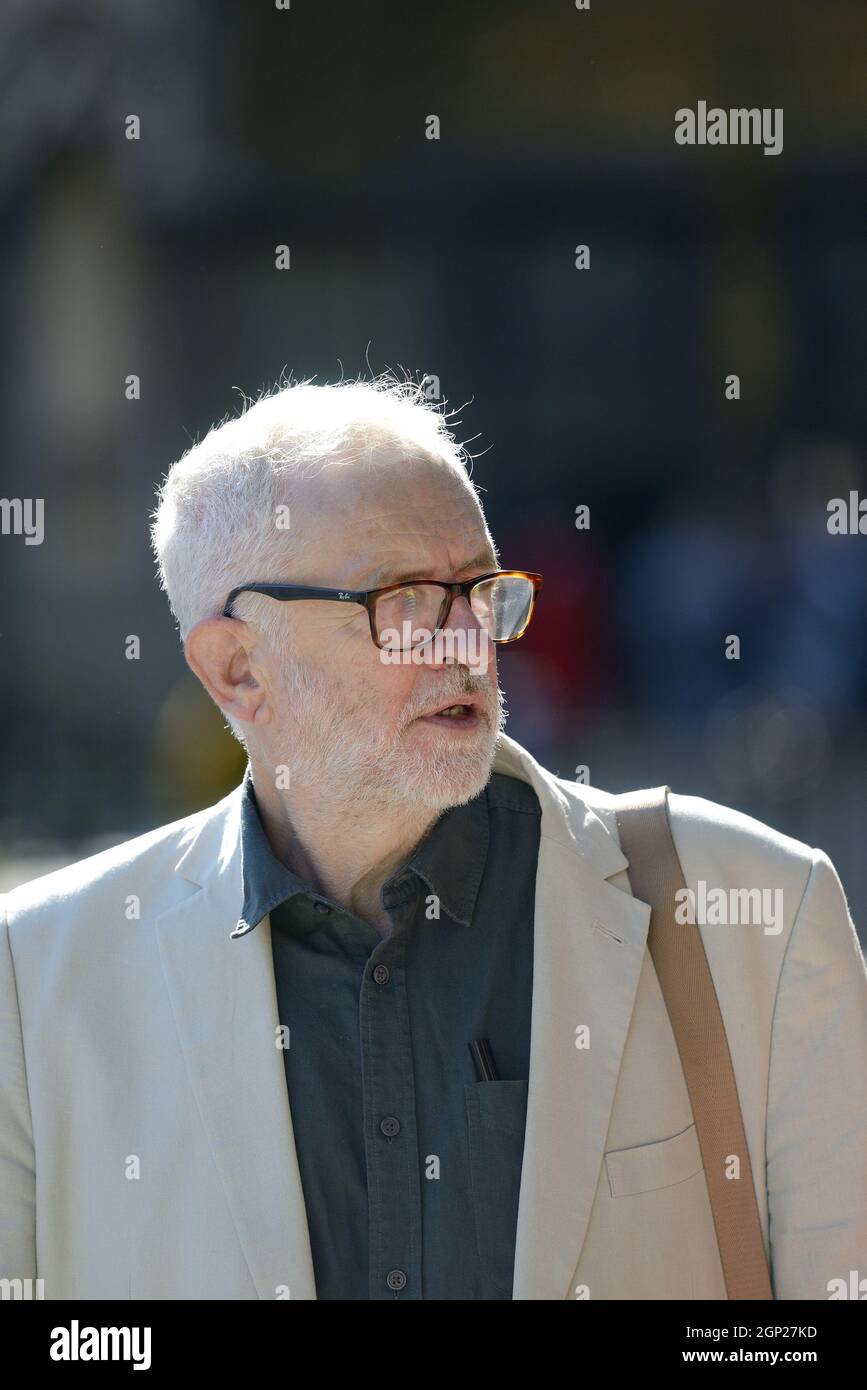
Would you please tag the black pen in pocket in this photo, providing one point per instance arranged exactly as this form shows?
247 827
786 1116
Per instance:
483 1057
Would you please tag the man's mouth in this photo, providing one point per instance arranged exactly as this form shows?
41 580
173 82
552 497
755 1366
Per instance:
460 717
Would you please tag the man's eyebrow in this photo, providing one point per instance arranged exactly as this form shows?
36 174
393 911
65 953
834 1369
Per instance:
398 574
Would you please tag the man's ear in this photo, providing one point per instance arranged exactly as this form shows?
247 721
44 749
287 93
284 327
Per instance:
220 652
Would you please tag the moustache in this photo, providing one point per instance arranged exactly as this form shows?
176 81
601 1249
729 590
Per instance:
480 695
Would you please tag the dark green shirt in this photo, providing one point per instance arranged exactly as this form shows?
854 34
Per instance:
410 1164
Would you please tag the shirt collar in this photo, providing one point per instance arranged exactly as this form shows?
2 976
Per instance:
450 861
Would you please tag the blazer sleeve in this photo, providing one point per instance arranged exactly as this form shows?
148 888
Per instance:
816 1142
17 1158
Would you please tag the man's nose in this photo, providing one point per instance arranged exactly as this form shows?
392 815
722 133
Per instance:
461 614
470 645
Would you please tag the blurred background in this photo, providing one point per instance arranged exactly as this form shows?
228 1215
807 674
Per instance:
600 388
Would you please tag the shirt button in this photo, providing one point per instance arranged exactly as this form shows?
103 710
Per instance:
322 907
390 1126
396 1279
381 974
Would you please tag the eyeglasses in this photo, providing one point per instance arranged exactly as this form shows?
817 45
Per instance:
502 601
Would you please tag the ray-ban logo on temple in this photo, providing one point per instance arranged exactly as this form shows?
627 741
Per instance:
409 616
23 516
739 126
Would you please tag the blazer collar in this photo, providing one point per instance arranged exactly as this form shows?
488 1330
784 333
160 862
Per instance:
567 820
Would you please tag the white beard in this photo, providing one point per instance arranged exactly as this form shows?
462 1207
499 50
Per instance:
335 749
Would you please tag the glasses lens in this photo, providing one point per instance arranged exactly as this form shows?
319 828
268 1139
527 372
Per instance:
407 617
503 605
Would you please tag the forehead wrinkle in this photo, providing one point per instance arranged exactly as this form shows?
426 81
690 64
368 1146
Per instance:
401 552
399 573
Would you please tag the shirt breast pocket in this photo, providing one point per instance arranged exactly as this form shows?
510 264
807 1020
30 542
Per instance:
648 1167
496 1120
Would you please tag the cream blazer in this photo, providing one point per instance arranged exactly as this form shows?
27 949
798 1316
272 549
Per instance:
146 1145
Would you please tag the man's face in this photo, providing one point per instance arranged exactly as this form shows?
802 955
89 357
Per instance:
347 721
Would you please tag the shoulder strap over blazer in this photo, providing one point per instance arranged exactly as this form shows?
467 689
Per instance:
678 954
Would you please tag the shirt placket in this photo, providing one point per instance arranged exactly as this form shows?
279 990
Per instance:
390 1135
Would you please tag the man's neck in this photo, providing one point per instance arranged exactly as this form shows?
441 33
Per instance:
344 856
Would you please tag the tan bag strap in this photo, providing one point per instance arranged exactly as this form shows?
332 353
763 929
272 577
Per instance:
678 953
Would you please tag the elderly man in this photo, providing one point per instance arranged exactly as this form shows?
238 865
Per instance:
385 1023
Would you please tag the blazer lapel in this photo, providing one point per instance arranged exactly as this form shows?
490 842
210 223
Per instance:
224 1002
589 943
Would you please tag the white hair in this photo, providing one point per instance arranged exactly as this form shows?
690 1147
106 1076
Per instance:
216 522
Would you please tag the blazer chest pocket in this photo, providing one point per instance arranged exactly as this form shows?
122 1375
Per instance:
496 1119
647 1167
